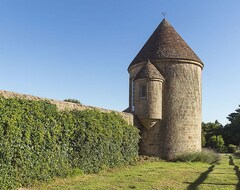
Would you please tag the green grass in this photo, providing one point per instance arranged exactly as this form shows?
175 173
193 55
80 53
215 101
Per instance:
155 175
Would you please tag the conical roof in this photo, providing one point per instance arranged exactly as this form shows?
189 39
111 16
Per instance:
165 43
149 71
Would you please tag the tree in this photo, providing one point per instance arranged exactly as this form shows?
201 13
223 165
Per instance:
203 140
231 132
210 129
216 143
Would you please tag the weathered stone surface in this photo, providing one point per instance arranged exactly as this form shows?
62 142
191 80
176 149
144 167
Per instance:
179 127
148 109
182 108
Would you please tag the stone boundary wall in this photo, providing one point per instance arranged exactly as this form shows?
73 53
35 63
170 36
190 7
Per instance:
61 105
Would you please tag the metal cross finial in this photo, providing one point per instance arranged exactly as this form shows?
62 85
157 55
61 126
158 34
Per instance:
164 14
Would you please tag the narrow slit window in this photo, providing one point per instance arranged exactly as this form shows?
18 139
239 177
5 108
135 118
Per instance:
133 94
143 91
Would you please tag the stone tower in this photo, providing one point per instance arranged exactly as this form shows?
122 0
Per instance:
165 94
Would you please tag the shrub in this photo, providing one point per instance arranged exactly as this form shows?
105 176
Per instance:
231 148
216 143
237 153
72 101
206 155
38 142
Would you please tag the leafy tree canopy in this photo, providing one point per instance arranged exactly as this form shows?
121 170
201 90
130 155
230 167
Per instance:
232 130
234 117
216 143
209 129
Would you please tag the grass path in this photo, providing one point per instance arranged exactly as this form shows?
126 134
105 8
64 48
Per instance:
157 176
224 175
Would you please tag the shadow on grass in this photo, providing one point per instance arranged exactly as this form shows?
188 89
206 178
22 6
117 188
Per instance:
236 168
231 163
201 179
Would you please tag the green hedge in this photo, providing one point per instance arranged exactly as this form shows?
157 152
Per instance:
38 142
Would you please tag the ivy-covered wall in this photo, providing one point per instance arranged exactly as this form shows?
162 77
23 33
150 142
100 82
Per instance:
38 142
63 105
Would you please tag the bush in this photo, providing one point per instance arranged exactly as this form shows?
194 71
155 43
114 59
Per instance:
237 153
206 155
231 148
38 142
72 101
216 143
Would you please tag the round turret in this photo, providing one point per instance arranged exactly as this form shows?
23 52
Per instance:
148 95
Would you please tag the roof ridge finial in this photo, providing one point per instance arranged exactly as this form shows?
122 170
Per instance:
164 14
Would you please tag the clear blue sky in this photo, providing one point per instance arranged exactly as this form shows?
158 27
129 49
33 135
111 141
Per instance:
81 48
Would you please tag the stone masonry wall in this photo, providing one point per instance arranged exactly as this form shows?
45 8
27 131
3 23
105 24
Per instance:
133 72
181 108
61 105
179 129
150 106
152 139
